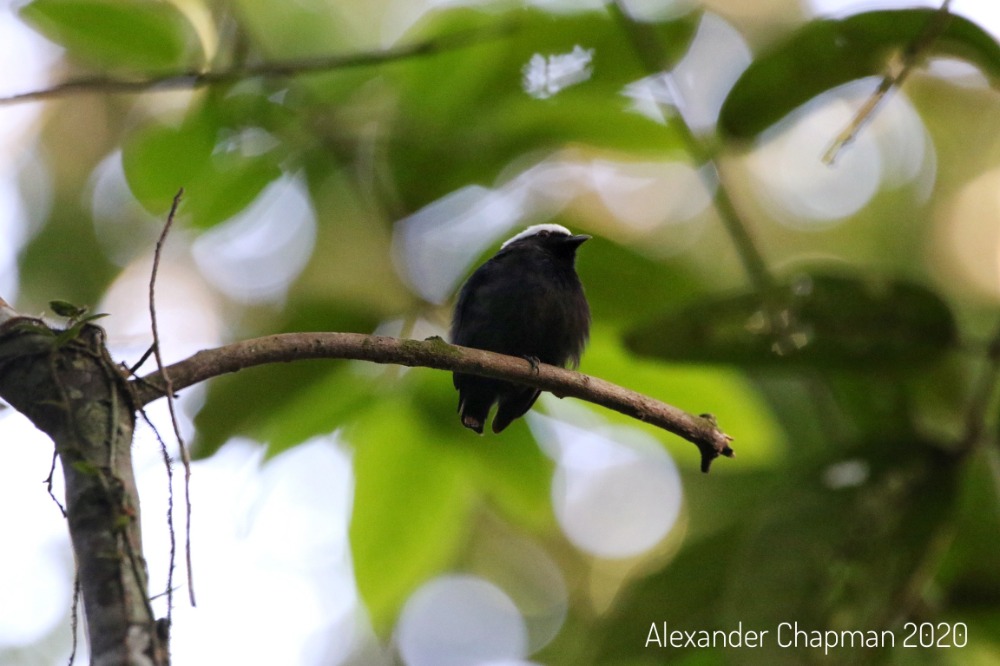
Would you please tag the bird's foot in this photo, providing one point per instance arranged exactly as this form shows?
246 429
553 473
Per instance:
534 361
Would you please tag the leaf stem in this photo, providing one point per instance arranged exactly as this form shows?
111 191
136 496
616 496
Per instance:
650 51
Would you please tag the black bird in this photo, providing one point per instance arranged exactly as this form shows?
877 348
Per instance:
526 301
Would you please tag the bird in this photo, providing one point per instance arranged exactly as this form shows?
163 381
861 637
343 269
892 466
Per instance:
527 301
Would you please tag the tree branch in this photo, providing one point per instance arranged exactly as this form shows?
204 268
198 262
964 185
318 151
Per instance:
192 79
702 430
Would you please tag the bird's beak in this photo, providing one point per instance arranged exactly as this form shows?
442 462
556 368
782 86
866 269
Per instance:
576 241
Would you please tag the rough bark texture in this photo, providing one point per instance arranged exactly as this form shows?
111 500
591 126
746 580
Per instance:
69 387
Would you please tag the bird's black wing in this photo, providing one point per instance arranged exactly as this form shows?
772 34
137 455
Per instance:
488 309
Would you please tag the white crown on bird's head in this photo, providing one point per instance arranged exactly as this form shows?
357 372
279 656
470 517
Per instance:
536 229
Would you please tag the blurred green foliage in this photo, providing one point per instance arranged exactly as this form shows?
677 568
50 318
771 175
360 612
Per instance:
121 36
815 320
882 378
826 53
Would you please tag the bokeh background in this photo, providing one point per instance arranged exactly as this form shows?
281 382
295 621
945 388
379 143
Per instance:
341 514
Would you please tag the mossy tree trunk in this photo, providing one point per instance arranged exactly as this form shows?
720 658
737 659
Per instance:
69 387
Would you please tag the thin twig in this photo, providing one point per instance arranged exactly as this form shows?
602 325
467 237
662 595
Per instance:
48 484
166 593
169 466
192 79
142 359
701 430
911 58
168 385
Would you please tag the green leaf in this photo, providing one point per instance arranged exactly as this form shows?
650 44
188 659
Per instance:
129 34
294 29
280 405
817 320
94 317
229 183
67 309
285 404
473 104
510 469
826 53
411 507
69 334
218 180
160 159
969 568
722 391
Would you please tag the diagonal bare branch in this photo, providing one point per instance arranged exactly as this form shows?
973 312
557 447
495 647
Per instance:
911 58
